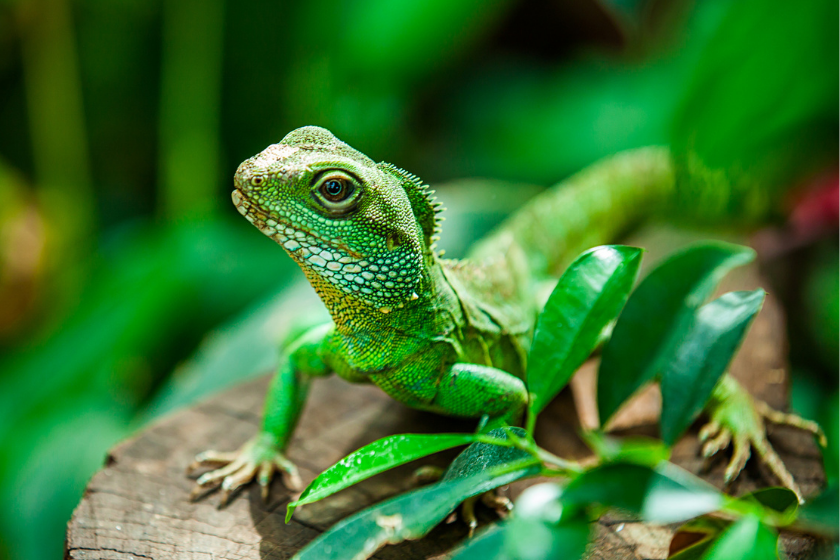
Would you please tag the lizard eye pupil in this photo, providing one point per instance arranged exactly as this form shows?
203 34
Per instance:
335 189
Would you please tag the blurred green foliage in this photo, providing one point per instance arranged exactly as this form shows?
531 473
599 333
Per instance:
121 123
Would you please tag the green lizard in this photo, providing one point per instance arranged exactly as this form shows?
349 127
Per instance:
446 336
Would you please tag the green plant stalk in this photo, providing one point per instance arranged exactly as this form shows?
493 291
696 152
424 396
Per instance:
56 119
191 80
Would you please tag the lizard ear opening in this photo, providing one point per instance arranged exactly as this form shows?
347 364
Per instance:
393 241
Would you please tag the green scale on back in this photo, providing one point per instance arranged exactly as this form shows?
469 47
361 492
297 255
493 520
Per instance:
441 335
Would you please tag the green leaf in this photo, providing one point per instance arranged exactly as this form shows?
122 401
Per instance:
637 450
674 494
656 316
748 539
708 343
821 513
374 458
665 494
539 529
587 298
482 456
692 539
479 468
486 545
778 499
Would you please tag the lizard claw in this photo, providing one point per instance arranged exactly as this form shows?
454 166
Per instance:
737 418
491 499
778 417
715 438
468 514
259 458
501 504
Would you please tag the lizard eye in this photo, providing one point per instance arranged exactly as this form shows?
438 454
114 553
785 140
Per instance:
335 190
337 193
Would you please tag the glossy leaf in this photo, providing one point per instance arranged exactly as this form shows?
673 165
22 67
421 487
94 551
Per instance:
532 539
479 468
539 530
374 458
637 450
656 317
747 539
587 298
674 495
663 494
707 346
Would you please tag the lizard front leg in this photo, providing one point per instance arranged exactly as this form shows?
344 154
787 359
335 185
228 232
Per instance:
472 391
263 455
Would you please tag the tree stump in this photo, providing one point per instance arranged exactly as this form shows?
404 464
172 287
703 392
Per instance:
137 506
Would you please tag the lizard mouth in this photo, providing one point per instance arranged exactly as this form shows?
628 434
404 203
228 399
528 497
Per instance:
282 231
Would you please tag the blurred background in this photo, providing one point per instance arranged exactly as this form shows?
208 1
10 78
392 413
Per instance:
123 121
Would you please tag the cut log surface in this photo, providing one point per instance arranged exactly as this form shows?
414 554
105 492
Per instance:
138 505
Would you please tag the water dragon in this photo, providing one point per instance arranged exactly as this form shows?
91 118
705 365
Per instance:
448 336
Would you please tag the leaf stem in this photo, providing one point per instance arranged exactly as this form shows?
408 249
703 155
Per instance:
529 446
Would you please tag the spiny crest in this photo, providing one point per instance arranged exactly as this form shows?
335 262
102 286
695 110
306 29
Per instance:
424 205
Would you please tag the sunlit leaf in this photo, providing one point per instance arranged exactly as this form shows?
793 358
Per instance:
374 458
702 354
674 494
479 468
536 531
539 529
663 494
656 317
533 539
587 298
747 539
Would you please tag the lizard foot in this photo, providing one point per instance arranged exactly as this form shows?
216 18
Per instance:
492 498
736 418
259 458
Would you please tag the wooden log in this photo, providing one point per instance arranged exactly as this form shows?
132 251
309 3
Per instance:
137 506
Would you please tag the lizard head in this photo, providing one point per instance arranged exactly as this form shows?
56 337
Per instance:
351 224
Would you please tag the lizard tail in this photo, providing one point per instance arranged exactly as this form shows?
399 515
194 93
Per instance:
592 207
